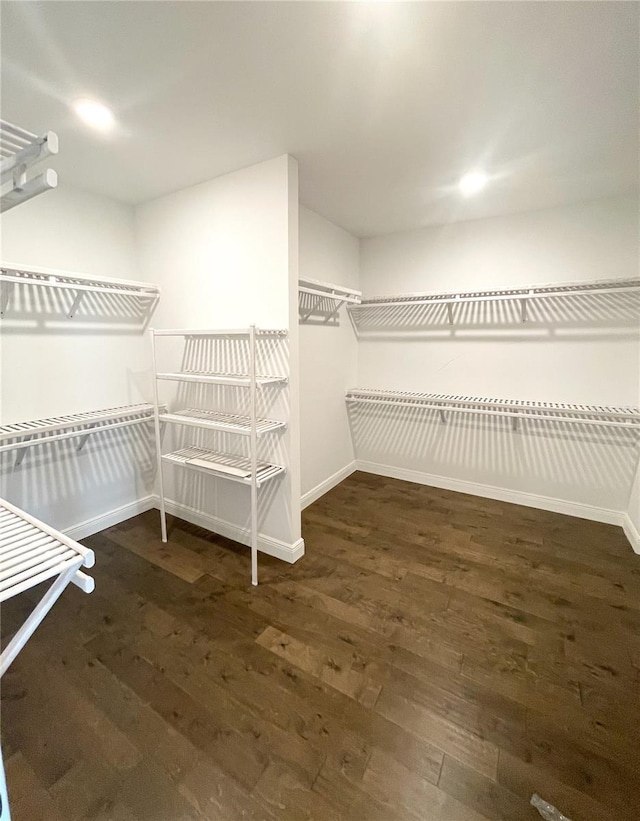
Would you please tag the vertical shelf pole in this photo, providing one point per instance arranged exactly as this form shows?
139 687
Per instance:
156 420
254 457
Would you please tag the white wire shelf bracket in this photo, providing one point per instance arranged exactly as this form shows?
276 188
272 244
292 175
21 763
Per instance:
522 295
239 380
319 292
517 410
13 275
23 435
224 422
224 465
20 150
32 552
260 332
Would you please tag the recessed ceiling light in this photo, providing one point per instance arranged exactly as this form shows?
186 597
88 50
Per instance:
473 182
95 114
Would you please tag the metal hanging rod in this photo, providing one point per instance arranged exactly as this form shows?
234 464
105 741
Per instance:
12 275
517 410
322 291
523 295
32 552
20 150
23 435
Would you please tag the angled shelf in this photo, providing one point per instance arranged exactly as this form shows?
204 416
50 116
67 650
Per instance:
31 552
517 410
20 150
78 285
23 435
524 296
225 465
318 294
238 380
224 422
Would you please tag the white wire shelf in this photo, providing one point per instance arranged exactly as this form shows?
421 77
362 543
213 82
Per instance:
239 380
12 275
31 552
225 465
20 150
522 295
23 435
224 422
517 410
260 332
319 294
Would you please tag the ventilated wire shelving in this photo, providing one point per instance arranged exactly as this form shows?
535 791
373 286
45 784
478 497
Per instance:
523 296
317 295
20 150
19 436
516 410
32 552
246 470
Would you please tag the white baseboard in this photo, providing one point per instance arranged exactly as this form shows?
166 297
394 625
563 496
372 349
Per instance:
516 497
266 544
113 517
631 532
324 487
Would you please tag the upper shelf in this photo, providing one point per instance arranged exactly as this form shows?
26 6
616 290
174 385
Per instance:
261 332
524 297
324 297
79 285
20 150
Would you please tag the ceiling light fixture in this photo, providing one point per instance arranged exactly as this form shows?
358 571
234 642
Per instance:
94 114
473 182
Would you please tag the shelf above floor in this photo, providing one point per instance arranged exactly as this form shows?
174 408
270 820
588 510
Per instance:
224 465
238 380
23 435
517 410
523 296
224 422
12 275
324 298
20 150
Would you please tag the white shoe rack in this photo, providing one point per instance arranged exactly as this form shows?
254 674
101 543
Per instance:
247 470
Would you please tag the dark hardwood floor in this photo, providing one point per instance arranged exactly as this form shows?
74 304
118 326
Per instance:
433 656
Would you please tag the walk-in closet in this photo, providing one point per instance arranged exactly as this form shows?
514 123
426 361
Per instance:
319 411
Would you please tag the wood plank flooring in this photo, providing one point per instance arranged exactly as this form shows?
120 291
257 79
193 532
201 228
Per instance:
434 656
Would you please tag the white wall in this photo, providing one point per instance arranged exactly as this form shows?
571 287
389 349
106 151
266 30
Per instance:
577 353
328 359
52 365
225 255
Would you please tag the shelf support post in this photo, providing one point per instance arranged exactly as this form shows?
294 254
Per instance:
450 313
156 421
83 439
254 456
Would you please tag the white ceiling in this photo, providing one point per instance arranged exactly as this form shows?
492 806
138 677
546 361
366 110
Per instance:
384 105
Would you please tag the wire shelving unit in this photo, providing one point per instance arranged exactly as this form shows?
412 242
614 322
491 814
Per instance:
32 552
523 296
516 410
247 470
317 295
20 150
19 436
77 285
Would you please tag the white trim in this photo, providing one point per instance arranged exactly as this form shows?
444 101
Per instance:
631 532
266 544
113 517
324 487
516 497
